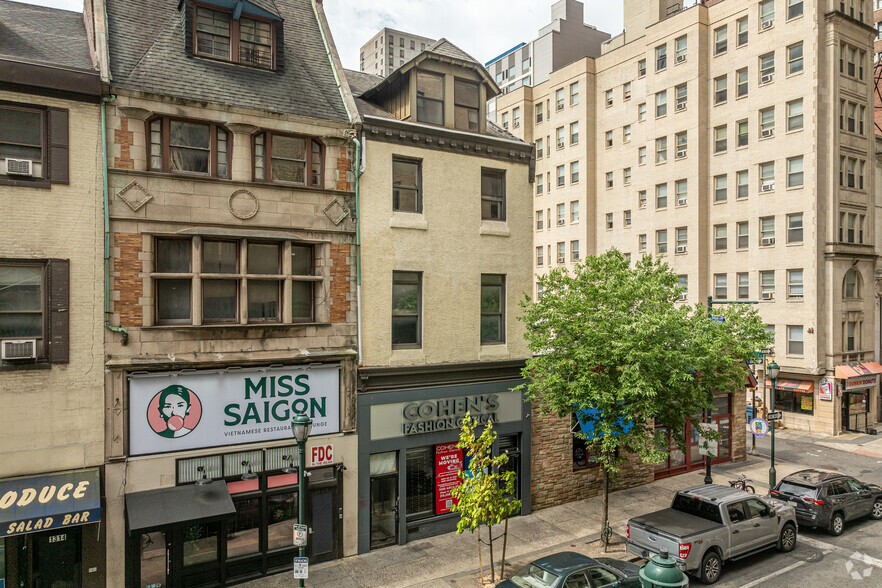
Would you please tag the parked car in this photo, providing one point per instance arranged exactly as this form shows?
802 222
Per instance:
709 525
574 570
829 499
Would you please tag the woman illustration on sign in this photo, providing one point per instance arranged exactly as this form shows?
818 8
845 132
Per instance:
174 406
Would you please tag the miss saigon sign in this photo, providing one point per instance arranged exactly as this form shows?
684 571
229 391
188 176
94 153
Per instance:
174 411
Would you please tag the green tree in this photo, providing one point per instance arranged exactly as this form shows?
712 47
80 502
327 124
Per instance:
486 495
611 344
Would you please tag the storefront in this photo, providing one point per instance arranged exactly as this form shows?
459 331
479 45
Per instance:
407 456
858 390
231 512
50 529
677 461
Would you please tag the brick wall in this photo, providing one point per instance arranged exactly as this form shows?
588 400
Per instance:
341 301
344 164
127 279
553 480
124 138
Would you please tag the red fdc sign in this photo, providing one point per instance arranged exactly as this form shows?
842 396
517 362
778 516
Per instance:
321 455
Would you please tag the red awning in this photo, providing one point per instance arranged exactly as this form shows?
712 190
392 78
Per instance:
858 370
801 386
751 379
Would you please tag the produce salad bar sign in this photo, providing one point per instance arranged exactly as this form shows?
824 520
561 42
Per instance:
64 499
174 411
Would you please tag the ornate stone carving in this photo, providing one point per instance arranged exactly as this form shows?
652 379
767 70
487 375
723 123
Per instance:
134 195
336 211
243 204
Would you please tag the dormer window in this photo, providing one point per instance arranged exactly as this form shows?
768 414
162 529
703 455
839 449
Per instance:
243 40
430 98
467 103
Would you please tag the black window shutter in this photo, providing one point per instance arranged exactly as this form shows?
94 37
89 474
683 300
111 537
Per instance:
59 146
279 28
58 284
188 28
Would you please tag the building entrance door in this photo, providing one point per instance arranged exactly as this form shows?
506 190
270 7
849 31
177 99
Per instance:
855 407
154 559
54 559
384 510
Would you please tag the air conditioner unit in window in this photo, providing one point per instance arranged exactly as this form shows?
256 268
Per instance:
766 78
561 222
768 295
768 24
767 132
18 349
561 260
516 125
768 187
682 297
681 58
560 144
767 241
681 249
797 296
19 167
681 106
681 154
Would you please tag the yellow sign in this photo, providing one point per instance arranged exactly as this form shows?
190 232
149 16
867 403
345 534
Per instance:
806 402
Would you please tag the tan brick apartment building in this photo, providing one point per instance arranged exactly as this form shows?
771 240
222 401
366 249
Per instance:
735 140
51 277
232 286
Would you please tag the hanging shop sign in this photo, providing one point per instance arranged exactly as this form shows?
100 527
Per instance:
53 501
443 414
826 390
174 411
448 464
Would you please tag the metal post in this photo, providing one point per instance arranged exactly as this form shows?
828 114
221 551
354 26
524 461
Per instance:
772 473
301 494
753 441
707 413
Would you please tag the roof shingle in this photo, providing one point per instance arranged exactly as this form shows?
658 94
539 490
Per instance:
44 35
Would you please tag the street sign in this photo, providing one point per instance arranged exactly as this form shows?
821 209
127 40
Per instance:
718 319
711 447
300 532
759 427
301 568
776 416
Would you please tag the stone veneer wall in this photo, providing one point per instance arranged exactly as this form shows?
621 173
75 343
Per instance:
127 281
341 269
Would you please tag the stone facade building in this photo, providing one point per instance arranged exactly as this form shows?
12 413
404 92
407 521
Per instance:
735 140
232 285
444 216
51 277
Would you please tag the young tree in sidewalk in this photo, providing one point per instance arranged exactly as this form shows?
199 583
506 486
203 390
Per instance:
486 495
612 345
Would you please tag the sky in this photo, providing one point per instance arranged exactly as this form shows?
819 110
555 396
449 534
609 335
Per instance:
481 28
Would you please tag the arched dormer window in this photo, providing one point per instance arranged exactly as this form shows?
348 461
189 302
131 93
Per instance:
245 35
851 284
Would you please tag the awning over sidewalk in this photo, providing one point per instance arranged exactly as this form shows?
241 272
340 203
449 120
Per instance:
857 370
157 508
800 386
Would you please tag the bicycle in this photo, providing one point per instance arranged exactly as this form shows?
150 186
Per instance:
742 484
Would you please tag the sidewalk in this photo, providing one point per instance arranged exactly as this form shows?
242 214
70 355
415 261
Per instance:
452 560
857 443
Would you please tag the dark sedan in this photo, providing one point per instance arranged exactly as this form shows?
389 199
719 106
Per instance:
574 570
829 499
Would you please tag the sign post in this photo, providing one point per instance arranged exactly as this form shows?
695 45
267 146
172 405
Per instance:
300 533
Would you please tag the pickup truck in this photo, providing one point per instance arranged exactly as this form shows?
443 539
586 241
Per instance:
709 525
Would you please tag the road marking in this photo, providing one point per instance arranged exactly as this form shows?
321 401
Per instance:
766 578
823 545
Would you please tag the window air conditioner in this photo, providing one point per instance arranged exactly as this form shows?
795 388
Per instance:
681 106
560 144
768 187
561 222
767 241
19 167
681 58
19 349
768 295
681 249
682 297
516 125
794 296
768 132
766 78
768 24
681 154
561 259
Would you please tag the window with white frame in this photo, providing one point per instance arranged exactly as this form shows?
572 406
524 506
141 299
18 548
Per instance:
574 172
626 134
539 148
609 180
561 175
559 98
681 187
794 284
641 112
682 239
767 230
608 140
741 83
721 286
641 68
767 176
794 115
561 252
721 40
720 90
794 59
661 57
721 240
720 142
681 141
661 196
515 117
683 284
626 176
767 122
721 188
661 150
742 178
539 184
794 8
743 138
641 199
682 96
794 228
539 113
574 250
742 235
766 13
641 242
851 284
680 47
767 285
559 135
609 98
661 241
609 221
766 67
741 25
574 93
661 103
574 133
626 91
794 340
540 221
794 172
539 255
574 211
626 218
641 155
742 281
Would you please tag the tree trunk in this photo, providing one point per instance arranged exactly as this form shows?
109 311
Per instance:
605 509
492 566
480 561
504 542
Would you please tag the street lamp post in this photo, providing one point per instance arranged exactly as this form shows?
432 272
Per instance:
773 375
300 427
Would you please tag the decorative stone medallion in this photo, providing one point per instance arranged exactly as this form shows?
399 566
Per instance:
336 211
243 204
135 195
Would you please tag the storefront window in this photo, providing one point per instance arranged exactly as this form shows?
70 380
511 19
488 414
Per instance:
585 455
794 401
282 510
420 483
508 444
200 544
243 533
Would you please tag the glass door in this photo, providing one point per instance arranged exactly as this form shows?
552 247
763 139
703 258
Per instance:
200 554
154 560
384 510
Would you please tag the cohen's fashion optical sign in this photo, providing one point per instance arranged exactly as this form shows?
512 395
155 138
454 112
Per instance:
172 411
